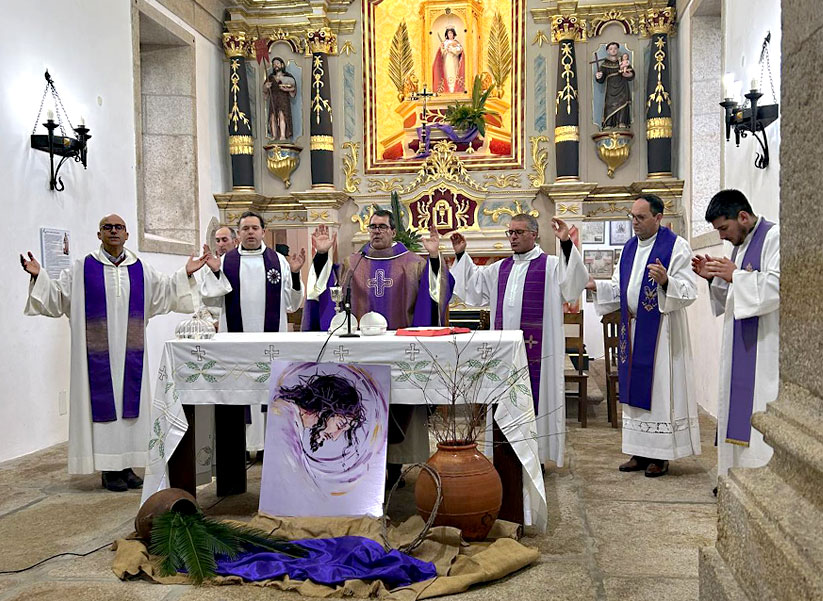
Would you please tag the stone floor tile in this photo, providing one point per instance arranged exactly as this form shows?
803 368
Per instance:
651 589
89 591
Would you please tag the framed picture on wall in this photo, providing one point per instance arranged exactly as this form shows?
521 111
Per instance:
594 232
617 253
589 296
599 262
620 232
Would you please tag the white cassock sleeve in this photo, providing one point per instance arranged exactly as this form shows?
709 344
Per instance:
293 296
49 297
470 282
318 282
681 290
757 293
573 275
212 286
607 294
718 292
170 292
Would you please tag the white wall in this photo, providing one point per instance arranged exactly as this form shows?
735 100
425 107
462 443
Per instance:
94 76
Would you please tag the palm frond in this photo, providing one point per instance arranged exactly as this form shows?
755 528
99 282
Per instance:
401 58
193 548
163 533
408 238
246 538
499 55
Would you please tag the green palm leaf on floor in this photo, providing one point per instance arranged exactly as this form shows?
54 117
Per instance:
190 542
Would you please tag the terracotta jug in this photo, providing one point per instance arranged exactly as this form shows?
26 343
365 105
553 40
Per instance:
160 502
472 491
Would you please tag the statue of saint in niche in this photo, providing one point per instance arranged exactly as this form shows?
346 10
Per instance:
278 89
615 73
449 69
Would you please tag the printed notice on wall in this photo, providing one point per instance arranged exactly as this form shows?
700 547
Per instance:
55 250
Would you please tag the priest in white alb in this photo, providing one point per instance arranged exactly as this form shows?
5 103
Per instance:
526 292
109 296
255 287
746 291
652 286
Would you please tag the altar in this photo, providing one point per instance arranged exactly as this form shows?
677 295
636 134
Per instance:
234 370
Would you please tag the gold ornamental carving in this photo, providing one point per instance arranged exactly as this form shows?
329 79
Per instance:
347 48
295 38
540 38
316 215
659 94
241 145
540 158
282 160
613 15
322 41
568 27
511 212
364 220
568 92
659 127
321 142
350 167
318 103
613 148
236 116
507 180
612 208
573 209
658 20
236 45
566 133
385 185
443 165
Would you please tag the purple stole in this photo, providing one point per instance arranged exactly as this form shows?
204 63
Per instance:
636 357
274 278
744 351
101 387
531 314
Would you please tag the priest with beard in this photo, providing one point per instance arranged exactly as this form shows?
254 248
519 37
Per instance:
407 290
745 289
526 292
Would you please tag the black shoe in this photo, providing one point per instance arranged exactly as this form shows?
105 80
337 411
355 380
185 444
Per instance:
657 468
114 482
635 464
132 479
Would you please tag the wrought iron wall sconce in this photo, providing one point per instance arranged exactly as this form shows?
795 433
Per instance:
62 146
752 117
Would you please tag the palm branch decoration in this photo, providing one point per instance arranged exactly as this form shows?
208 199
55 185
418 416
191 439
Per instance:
465 115
401 61
500 53
190 542
408 238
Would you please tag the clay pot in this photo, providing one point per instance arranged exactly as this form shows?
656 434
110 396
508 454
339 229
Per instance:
472 491
175 499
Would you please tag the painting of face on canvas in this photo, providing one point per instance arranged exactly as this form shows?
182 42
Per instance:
325 440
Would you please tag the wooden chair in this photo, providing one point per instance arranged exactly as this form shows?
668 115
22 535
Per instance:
578 375
611 324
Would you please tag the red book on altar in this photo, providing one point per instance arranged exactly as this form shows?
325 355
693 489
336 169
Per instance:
431 331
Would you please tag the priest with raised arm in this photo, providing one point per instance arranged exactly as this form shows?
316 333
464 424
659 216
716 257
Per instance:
109 295
406 289
652 286
256 287
746 291
526 292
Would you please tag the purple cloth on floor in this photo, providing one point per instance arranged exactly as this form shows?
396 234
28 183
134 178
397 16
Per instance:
331 561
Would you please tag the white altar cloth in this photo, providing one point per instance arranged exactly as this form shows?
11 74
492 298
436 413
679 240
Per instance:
234 369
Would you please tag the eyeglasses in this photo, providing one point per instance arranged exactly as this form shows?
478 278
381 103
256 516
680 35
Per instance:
510 233
117 227
373 227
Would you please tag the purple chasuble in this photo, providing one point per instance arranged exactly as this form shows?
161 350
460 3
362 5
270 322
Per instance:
744 351
531 314
101 387
636 357
274 279
387 282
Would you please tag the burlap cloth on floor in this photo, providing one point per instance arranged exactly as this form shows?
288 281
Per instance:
459 564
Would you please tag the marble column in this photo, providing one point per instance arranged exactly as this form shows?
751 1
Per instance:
241 137
565 30
321 42
659 23
770 522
